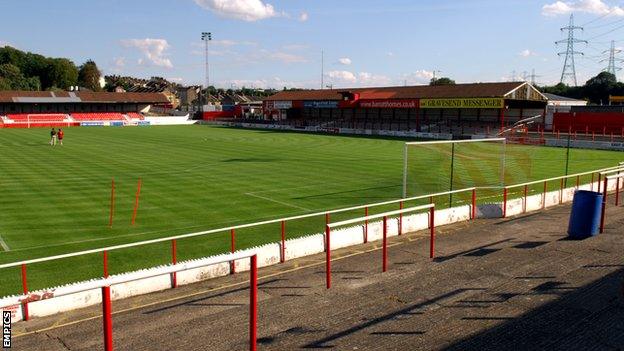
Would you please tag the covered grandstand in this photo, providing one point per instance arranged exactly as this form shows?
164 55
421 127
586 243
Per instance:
25 109
452 109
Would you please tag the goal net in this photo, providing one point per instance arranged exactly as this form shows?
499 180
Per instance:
440 166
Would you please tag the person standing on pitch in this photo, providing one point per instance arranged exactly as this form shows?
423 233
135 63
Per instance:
53 137
61 134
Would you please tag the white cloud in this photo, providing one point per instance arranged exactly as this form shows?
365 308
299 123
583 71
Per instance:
175 79
370 80
418 77
527 53
597 7
344 61
303 17
154 51
245 10
119 62
342 76
5 43
284 57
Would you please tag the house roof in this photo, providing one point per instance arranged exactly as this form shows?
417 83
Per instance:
80 97
472 90
553 97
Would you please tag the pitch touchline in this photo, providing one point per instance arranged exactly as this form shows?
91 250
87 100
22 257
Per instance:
4 245
278 202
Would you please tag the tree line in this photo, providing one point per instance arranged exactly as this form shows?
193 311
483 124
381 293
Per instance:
596 90
21 70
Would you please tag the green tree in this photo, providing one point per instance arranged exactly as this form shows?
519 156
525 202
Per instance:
13 79
441 81
61 73
89 76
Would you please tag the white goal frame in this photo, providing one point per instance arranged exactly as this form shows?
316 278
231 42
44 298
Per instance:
407 144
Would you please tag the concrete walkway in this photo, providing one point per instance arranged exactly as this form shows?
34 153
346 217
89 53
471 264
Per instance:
496 284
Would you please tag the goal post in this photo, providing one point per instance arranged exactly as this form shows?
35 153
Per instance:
439 166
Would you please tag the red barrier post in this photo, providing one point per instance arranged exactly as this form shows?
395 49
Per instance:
232 249
432 233
384 250
366 225
401 218
327 257
505 203
524 205
578 181
253 303
112 204
617 191
25 313
136 201
604 204
107 319
326 218
592 182
474 204
283 253
105 256
599 180
544 196
561 191
174 260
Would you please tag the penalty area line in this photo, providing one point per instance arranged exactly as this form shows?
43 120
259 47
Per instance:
277 201
4 245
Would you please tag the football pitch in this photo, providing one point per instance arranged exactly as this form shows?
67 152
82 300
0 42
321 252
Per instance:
56 200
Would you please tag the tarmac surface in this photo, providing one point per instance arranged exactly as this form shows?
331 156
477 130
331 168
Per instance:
515 283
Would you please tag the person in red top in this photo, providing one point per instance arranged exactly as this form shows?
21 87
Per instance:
60 135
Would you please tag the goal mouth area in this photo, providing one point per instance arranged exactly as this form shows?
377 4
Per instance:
445 165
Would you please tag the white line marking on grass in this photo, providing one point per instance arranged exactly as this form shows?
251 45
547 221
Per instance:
278 202
4 245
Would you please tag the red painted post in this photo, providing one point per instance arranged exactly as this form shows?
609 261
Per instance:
136 201
599 180
578 181
430 199
604 204
25 313
105 254
174 260
112 204
283 253
432 233
524 205
617 191
401 218
384 264
253 303
327 257
107 319
474 204
232 249
544 196
505 203
326 218
365 225
561 192
592 182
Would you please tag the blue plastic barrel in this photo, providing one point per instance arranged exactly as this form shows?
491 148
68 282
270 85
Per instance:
585 216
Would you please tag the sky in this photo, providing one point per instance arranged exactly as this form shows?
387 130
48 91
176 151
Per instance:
278 43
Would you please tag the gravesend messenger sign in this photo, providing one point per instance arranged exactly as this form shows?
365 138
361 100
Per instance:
462 103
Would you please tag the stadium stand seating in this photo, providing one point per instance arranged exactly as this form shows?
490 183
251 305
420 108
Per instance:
48 117
105 116
135 115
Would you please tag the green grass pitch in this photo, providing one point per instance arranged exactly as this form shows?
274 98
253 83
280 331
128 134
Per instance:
55 200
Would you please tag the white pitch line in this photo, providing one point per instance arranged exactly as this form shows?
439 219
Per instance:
4 246
278 202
